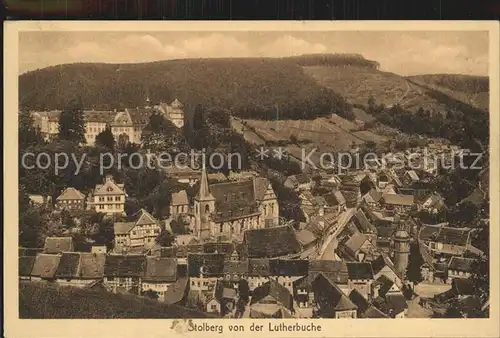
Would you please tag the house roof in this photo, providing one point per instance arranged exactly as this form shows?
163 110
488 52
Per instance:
54 245
362 222
385 284
461 264
177 291
396 302
164 251
305 237
70 194
373 312
271 242
92 265
208 264
45 265
445 235
274 290
359 300
373 196
355 242
398 199
143 217
26 265
125 266
109 188
226 248
358 270
413 175
180 198
68 265
289 267
160 269
337 299
122 228
238 267
29 251
336 271
259 267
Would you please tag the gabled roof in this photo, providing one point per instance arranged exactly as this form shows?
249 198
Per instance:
125 266
396 302
54 245
335 297
336 271
71 194
109 188
355 242
180 198
68 265
359 300
445 235
123 228
357 270
373 312
262 243
385 284
274 290
45 265
373 196
160 269
305 237
364 225
143 217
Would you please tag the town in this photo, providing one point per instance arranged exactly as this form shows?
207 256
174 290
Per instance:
371 242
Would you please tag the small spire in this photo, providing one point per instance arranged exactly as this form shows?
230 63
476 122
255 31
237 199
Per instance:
204 192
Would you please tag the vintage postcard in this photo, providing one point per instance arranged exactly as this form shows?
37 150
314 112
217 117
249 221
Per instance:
284 179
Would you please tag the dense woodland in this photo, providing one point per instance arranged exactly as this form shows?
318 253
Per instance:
250 88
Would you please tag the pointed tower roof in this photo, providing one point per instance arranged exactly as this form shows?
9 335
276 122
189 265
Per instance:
204 192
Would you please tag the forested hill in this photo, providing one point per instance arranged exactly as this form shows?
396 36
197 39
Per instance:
473 90
249 87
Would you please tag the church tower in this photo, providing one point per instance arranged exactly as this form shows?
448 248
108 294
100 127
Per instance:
401 249
204 207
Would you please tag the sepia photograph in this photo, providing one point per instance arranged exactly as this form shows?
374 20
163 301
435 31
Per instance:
286 177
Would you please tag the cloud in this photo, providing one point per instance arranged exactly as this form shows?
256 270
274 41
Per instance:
290 45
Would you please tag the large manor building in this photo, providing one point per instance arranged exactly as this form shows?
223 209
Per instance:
228 209
126 125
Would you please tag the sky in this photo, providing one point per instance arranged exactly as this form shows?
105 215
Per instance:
403 53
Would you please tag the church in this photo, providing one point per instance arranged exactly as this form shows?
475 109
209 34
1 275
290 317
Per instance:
228 209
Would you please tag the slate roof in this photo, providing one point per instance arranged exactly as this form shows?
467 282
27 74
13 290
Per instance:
385 284
380 262
289 267
160 269
26 265
230 197
45 266
271 242
68 265
70 194
211 264
259 267
362 222
54 245
397 303
335 297
461 264
236 267
275 290
99 116
359 300
357 270
180 198
125 266
445 235
397 199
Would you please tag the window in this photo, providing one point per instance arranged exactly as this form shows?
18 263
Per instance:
213 307
117 198
101 199
110 198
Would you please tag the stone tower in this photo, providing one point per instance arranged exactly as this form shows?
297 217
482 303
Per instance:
204 207
401 249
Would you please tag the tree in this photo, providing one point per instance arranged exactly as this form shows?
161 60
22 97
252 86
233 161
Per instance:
151 294
160 134
165 238
106 139
29 134
243 291
413 271
71 123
